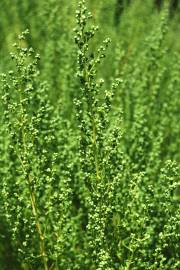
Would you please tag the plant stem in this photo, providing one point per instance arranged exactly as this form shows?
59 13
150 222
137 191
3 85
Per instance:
32 198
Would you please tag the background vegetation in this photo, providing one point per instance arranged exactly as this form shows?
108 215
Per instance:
89 147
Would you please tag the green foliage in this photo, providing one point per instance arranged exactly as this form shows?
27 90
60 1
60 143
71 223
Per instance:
89 137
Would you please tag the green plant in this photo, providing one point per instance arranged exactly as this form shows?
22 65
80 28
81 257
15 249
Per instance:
89 138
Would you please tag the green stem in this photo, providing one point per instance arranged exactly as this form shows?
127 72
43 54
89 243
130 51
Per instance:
32 197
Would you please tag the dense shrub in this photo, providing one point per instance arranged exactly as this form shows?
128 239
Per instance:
89 137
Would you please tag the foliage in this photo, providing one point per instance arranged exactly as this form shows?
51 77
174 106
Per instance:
89 137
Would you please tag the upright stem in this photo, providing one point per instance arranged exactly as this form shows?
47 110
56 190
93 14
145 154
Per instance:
35 214
95 152
32 197
94 129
